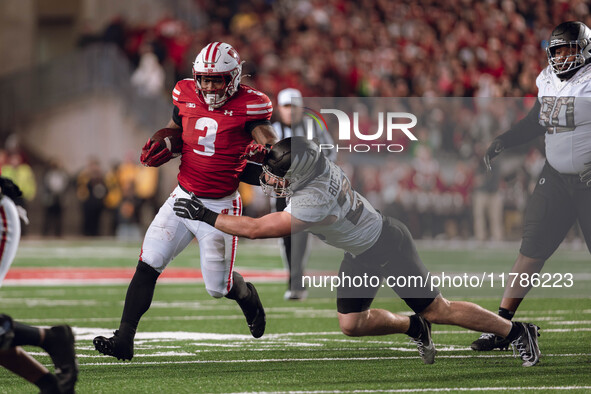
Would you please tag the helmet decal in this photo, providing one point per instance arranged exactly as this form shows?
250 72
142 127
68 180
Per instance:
217 59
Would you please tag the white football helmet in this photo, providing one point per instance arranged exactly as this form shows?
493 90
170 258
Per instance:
217 59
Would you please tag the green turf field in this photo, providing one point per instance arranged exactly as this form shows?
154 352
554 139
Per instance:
189 342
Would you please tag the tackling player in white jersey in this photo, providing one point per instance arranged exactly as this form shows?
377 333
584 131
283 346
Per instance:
322 202
563 192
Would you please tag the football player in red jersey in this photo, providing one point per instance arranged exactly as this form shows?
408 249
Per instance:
219 118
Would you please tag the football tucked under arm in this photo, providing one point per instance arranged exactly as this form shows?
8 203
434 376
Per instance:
162 146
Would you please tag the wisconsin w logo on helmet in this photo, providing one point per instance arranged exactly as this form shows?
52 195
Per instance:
216 60
290 165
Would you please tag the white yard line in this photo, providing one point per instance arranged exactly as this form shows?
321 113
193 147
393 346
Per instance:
312 359
429 390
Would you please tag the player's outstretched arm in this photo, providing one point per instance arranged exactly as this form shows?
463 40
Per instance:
273 225
523 131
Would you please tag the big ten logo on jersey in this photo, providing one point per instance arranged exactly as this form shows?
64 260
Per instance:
558 114
225 211
387 124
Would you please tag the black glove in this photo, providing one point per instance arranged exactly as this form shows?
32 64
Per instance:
192 208
12 191
585 175
493 150
9 189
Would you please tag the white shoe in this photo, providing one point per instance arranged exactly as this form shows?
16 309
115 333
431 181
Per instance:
295 295
424 342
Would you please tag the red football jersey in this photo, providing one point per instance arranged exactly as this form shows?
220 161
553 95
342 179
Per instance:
214 139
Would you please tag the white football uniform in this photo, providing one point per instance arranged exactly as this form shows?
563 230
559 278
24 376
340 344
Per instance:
168 235
358 225
10 234
566 115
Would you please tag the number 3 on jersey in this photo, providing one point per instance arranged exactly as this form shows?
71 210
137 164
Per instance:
205 134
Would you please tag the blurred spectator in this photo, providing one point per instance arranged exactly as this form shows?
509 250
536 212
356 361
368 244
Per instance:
488 204
54 185
88 35
91 191
427 181
22 174
116 32
113 198
461 193
128 228
146 191
369 48
3 158
392 178
148 78
382 48
126 214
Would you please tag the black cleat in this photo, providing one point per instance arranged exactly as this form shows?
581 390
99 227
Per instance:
255 313
527 344
488 341
424 342
59 344
115 346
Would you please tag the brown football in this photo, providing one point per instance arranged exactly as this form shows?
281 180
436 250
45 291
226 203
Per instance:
172 138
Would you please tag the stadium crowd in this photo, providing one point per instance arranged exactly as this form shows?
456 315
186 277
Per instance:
373 48
378 48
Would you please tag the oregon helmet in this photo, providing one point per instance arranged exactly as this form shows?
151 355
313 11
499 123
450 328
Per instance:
290 165
575 35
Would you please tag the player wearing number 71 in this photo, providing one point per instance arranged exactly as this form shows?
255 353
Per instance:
322 202
218 118
563 192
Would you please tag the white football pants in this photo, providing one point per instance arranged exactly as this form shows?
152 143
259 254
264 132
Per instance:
10 234
169 234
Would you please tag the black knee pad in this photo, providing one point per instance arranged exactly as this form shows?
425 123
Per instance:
6 331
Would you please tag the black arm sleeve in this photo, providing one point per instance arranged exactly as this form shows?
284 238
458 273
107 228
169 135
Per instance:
249 126
525 130
251 174
11 190
176 118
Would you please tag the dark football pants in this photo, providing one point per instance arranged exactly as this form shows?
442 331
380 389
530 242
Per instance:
393 255
557 202
6 331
